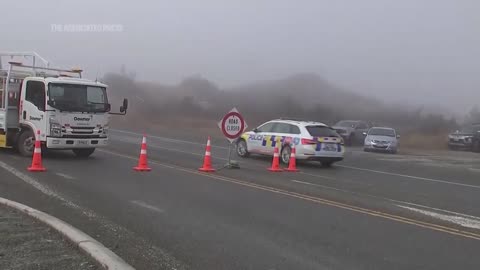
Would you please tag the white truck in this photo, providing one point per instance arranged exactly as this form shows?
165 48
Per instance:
70 113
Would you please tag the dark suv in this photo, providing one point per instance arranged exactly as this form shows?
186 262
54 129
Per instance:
468 137
352 130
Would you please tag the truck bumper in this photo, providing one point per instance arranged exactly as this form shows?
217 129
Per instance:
74 143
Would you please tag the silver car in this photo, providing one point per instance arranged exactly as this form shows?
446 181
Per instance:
381 139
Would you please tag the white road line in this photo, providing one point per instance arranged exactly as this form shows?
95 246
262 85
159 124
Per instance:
319 176
139 98
34 183
459 220
410 176
154 146
148 206
318 185
185 152
66 176
385 198
325 177
336 179
166 139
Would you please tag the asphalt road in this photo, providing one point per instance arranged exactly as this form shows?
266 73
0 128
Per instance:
371 211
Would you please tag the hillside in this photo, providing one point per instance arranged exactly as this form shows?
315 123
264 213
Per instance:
306 96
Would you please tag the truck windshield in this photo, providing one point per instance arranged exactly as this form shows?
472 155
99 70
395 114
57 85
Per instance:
75 97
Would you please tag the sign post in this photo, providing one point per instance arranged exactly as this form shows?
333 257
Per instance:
232 126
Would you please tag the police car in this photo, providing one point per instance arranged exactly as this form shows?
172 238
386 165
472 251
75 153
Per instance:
313 141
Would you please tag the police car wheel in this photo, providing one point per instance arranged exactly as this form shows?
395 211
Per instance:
285 154
242 150
327 164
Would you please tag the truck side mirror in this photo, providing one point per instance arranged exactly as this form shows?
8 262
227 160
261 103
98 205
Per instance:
124 107
364 133
398 136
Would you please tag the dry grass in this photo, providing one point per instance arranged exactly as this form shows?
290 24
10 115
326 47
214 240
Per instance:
424 141
198 127
169 126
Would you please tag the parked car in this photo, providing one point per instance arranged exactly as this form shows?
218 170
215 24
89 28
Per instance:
352 130
381 139
468 137
312 140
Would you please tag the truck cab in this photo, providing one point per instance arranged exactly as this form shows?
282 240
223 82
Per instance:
67 111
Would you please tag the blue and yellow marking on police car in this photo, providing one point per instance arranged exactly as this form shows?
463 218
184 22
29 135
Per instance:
272 140
275 140
253 137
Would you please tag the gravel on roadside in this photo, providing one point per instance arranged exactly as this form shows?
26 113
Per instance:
28 244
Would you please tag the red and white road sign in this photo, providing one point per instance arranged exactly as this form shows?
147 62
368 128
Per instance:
232 125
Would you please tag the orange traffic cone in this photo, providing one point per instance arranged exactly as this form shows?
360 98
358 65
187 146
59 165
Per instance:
37 156
142 161
292 164
275 163
207 161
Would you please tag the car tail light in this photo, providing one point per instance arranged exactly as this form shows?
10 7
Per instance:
308 141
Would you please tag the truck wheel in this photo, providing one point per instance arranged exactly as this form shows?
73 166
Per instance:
242 150
84 152
26 143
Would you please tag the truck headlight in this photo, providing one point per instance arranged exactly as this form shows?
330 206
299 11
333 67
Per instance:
105 130
55 129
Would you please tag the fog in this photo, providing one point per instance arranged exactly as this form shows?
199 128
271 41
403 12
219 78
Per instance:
406 52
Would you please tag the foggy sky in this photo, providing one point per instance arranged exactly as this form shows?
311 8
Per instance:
413 51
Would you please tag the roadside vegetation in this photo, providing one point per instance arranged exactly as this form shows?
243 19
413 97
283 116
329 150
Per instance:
197 103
